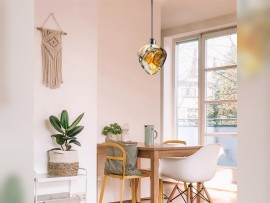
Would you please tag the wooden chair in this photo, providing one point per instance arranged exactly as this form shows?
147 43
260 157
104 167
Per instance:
133 179
161 180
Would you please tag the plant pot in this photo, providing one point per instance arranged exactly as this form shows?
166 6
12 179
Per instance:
63 163
113 137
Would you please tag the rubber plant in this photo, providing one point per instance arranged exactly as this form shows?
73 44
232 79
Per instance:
66 135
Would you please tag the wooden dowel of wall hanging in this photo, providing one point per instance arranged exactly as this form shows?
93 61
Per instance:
40 29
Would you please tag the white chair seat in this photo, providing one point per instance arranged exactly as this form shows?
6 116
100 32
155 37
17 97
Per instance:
197 168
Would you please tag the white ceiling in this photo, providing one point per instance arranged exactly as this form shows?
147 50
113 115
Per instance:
180 12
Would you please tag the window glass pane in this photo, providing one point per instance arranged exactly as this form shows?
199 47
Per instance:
229 144
221 118
221 51
221 84
187 91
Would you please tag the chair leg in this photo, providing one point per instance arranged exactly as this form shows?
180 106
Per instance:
172 193
133 189
188 195
191 193
102 189
138 189
122 190
185 185
207 194
160 198
199 188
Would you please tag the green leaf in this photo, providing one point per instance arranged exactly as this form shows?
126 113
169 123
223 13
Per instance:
56 135
68 147
56 124
75 142
60 140
64 119
106 128
76 130
69 138
105 131
76 122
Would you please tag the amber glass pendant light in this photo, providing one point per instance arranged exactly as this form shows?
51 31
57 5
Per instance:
151 56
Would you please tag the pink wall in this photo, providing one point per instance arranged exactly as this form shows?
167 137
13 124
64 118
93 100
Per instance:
126 93
77 94
100 64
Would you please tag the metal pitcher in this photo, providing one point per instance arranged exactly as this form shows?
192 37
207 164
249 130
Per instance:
149 135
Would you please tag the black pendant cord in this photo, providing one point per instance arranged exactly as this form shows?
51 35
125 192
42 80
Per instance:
152 5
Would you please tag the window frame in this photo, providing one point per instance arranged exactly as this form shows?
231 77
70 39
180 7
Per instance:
174 81
202 70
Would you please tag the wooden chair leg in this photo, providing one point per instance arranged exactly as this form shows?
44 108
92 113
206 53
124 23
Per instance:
207 194
122 190
191 193
160 198
188 195
172 193
102 189
199 188
136 181
185 185
138 190
133 190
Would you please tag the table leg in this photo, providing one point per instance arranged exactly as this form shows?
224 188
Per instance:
154 177
138 188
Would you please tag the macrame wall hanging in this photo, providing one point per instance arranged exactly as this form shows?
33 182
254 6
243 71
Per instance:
52 54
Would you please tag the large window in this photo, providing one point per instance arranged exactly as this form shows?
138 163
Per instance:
206 91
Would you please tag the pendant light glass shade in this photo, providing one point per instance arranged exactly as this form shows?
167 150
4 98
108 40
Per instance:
151 56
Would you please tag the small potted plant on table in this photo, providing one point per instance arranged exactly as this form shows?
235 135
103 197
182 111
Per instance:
63 161
113 132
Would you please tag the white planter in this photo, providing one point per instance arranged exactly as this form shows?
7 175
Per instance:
63 163
113 137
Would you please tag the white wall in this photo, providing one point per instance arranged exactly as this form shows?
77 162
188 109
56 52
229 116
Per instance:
253 101
16 97
253 130
126 93
79 90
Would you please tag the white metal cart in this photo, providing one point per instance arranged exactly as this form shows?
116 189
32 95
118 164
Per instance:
45 178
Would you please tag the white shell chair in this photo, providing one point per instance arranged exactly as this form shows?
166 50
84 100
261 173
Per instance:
197 168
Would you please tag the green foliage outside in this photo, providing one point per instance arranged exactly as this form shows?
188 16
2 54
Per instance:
225 88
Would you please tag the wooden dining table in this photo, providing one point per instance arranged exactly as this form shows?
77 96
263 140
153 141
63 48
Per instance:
154 153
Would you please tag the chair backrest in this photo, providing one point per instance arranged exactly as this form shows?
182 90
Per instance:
199 167
122 158
175 142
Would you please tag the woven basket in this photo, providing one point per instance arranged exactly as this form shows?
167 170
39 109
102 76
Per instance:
63 163
63 169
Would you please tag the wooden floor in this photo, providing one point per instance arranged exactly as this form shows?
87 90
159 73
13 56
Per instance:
217 196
